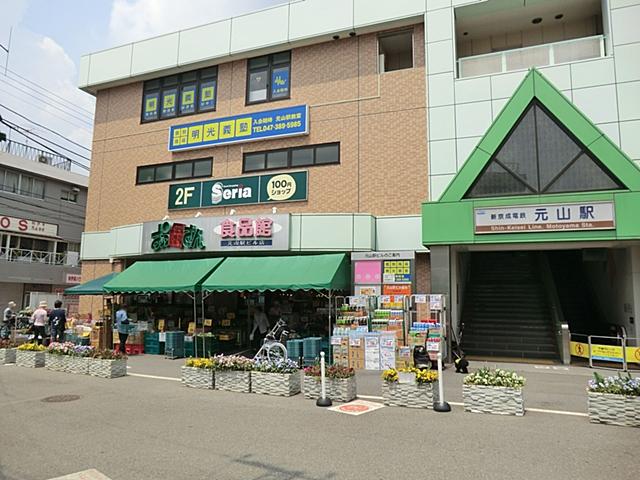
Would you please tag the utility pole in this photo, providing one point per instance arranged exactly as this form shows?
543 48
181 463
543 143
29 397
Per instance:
6 49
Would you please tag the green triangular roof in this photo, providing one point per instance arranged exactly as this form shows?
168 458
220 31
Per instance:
536 86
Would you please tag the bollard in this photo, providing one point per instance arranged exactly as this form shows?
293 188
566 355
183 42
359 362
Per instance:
441 405
323 401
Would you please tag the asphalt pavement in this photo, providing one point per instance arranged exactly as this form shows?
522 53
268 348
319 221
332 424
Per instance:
152 428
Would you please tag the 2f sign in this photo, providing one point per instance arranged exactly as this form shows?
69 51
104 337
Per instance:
186 195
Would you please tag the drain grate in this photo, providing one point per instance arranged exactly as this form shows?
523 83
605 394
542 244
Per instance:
61 398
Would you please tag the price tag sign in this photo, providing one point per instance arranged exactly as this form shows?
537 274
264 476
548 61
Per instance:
161 325
208 322
385 298
420 298
192 327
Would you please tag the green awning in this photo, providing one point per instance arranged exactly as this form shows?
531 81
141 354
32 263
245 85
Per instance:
92 287
303 272
163 276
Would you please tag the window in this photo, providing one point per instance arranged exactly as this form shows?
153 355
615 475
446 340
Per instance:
268 78
163 172
69 196
178 95
540 157
14 182
395 51
292 157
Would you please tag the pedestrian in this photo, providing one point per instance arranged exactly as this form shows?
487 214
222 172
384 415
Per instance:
8 316
57 322
39 319
260 323
122 324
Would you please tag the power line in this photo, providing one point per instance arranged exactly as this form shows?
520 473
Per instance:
83 120
42 126
46 146
46 90
35 212
18 127
45 98
39 107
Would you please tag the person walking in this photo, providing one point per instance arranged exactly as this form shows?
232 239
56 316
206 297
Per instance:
122 324
260 323
39 319
8 316
57 322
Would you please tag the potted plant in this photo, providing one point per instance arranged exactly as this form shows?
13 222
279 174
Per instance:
58 356
409 387
275 377
494 391
340 383
198 373
80 359
7 352
30 355
108 364
232 373
614 400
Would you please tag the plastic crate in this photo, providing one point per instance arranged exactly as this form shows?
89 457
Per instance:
311 347
130 348
188 349
294 349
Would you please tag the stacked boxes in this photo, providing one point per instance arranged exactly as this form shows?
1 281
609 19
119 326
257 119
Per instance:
372 352
356 352
387 351
341 351
403 357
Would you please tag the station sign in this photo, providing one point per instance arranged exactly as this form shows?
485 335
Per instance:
248 127
545 218
281 187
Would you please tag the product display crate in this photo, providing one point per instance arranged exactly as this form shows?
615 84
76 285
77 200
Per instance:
174 345
294 349
311 349
189 350
130 348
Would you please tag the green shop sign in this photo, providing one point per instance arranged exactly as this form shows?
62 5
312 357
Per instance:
281 187
177 235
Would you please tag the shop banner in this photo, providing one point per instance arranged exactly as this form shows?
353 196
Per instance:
281 187
217 234
23 225
281 122
545 218
397 271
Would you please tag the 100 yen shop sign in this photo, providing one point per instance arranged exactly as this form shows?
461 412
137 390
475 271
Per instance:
283 187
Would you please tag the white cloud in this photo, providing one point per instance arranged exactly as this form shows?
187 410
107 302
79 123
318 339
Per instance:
133 20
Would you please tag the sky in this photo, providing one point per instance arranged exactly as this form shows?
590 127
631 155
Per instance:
48 37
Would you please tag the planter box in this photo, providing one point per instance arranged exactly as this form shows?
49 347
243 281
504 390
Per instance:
233 381
412 395
56 363
25 358
197 377
78 365
284 384
338 389
497 400
107 368
614 409
7 355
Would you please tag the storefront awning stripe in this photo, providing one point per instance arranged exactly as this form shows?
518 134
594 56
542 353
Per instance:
163 276
301 272
92 287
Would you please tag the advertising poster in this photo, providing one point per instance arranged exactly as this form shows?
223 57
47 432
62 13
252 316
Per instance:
368 272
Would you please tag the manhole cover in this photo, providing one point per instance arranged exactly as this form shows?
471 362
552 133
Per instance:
61 398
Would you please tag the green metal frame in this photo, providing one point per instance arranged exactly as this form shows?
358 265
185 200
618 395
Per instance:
450 219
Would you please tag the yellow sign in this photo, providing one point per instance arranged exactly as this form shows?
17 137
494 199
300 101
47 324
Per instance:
281 187
192 327
169 101
208 322
195 134
633 355
609 353
151 105
207 94
161 325
188 98
578 349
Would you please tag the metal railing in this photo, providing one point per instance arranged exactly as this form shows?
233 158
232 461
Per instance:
534 56
31 256
35 154
619 351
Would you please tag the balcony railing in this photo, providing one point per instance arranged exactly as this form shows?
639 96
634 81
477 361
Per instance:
31 256
535 56
35 154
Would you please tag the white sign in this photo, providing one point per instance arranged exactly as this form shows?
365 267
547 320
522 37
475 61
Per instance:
74 278
23 225
383 255
545 218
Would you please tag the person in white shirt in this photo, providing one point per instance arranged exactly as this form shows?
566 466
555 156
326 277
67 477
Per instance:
260 323
39 319
8 317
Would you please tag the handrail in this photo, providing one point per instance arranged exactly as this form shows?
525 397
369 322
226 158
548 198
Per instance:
561 327
31 256
35 154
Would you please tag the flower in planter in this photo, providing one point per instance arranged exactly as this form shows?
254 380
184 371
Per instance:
65 348
495 378
82 351
205 363
7 343
32 347
618 385
107 354
390 375
333 371
232 362
281 365
426 376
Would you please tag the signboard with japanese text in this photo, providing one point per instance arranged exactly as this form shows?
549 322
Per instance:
397 271
73 278
23 225
545 218
217 234
281 122
281 187
383 255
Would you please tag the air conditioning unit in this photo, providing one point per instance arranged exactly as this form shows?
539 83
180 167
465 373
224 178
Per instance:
45 159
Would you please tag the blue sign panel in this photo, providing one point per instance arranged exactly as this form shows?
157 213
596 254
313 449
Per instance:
282 122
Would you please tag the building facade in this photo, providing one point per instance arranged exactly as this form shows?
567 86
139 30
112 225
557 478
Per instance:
380 104
42 205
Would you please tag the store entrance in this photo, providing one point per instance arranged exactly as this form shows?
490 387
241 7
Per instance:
514 301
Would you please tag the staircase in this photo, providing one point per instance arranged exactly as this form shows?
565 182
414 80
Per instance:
506 313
